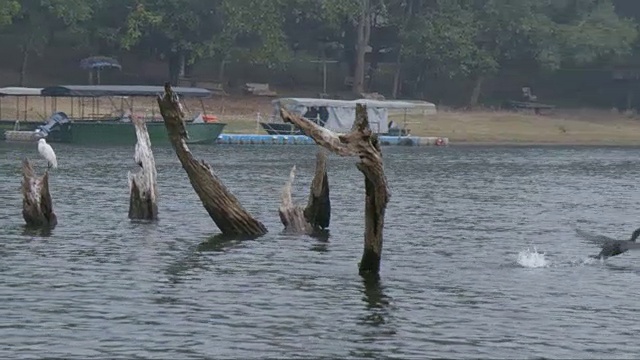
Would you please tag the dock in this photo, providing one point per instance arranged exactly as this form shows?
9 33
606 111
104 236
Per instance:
264 139
17 135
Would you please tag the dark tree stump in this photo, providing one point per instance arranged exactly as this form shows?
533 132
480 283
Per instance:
363 143
317 214
37 205
223 207
143 198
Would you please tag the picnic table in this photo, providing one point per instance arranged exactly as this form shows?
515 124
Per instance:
529 105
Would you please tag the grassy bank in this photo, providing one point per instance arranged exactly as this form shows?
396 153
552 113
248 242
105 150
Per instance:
575 127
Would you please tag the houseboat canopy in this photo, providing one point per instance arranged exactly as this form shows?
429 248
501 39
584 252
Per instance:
120 90
20 91
339 115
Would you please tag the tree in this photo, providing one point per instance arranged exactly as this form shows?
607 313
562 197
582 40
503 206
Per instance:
438 38
361 16
477 38
175 30
596 33
8 9
183 31
535 34
253 32
36 20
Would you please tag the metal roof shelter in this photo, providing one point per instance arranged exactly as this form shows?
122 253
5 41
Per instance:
20 91
119 90
388 104
339 115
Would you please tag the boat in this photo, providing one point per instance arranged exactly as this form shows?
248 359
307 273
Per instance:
19 121
339 115
85 124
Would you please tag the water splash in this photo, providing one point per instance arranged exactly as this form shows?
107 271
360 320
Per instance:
532 259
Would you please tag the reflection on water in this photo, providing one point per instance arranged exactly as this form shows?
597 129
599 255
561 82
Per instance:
376 301
458 280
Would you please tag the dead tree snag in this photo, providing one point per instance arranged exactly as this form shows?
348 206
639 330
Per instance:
363 143
317 214
37 205
223 207
143 185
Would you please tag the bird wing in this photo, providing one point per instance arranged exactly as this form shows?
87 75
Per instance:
595 239
629 245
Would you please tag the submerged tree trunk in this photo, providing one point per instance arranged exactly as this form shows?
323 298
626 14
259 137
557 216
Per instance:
37 205
223 207
363 143
317 215
143 198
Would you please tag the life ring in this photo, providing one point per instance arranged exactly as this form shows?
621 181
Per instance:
439 142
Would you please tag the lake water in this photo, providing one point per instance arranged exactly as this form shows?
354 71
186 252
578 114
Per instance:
480 259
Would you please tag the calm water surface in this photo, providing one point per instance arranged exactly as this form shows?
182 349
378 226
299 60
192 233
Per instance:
460 276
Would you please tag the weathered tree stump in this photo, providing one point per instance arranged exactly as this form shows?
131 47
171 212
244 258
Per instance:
363 143
317 214
37 205
223 207
143 187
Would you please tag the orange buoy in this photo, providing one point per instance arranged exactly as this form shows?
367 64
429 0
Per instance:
439 142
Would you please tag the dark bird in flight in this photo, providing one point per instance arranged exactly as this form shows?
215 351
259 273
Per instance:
611 247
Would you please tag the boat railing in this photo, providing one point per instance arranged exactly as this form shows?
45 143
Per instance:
271 119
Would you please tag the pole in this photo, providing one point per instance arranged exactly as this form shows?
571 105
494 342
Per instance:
324 72
324 76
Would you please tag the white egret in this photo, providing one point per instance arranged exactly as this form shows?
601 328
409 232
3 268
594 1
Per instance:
47 152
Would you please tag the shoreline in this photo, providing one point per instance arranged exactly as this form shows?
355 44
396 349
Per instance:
541 144
481 127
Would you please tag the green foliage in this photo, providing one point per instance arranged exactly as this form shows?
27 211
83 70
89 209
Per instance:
8 9
465 37
243 29
444 38
253 31
35 20
596 32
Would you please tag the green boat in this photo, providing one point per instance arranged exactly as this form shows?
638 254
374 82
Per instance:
19 119
92 128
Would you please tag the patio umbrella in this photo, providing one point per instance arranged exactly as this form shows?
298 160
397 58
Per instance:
97 63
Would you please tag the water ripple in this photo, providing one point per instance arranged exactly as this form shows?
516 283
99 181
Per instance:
463 273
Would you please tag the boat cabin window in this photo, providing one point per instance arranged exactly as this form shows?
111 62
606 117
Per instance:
317 114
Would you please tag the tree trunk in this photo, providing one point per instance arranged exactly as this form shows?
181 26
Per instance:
364 33
174 68
371 70
350 39
363 143
396 75
221 71
317 215
477 89
23 65
143 198
182 64
37 205
223 207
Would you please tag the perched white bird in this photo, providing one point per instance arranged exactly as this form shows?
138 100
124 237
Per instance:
47 152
